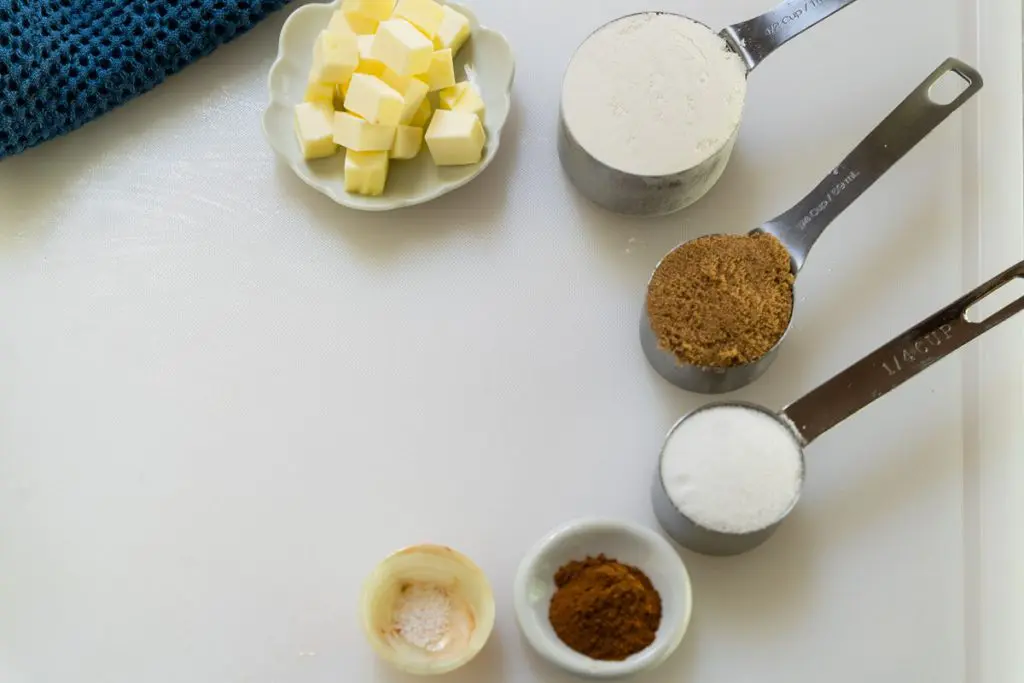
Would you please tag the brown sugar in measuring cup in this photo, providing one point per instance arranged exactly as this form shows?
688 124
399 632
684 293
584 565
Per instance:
686 349
722 300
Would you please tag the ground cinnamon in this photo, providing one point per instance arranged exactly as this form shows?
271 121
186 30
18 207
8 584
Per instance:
722 300
604 609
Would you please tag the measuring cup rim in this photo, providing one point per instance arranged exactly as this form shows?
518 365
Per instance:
781 420
717 369
575 140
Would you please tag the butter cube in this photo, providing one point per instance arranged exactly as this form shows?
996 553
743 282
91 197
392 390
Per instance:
371 9
422 116
426 15
313 129
441 73
367 64
335 57
471 102
340 24
455 138
319 92
338 96
408 142
462 97
412 90
453 31
447 98
366 172
363 26
374 100
402 48
355 133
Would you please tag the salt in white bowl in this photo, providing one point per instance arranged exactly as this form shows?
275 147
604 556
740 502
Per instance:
471 616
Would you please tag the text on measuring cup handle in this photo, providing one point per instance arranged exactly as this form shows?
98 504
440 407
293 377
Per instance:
918 350
837 189
792 16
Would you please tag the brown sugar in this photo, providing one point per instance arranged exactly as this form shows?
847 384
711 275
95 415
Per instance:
722 300
604 609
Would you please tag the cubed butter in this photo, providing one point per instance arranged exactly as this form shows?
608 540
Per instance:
319 92
447 98
367 64
462 97
412 90
455 138
363 26
366 172
374 100
335 57
355 133
371 9
402 48
471 102
408 142
426 15
314 129
340 23
441 73
422 116
338 99
453 31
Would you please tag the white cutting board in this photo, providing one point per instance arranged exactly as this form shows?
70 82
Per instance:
223 398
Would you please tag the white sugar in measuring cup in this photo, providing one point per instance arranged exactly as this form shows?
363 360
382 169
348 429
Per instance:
826 406
612 180
800 227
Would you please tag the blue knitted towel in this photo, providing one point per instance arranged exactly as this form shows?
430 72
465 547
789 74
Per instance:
65 62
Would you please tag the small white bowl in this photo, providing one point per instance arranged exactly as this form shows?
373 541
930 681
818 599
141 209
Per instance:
472 616
486 60
626 542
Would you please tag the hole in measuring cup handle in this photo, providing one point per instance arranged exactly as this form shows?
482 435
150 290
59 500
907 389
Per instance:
995 301
948 87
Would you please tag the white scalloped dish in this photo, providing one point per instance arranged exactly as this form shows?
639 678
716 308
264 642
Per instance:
486 60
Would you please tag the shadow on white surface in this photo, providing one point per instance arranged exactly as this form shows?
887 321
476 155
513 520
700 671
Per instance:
678 667
903 477
388 235
762 591
486 666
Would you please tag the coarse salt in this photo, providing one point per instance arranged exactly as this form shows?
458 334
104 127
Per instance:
732 469
422 616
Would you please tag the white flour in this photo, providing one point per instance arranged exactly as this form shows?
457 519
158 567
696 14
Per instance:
732 469
654 94
422 616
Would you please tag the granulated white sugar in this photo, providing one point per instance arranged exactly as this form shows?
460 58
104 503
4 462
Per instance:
654 94
732 469
422 616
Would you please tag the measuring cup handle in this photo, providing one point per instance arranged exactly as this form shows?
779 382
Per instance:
908 124
757 38
894 363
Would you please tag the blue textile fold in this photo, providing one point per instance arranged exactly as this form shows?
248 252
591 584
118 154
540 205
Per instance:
65 62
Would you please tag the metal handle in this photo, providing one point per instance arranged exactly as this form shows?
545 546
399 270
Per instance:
893 364
909 123
757 38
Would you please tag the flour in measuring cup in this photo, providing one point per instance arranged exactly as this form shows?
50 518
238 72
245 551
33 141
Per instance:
732 469
654 94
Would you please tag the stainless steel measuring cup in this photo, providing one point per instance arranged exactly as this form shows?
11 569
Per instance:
862 383
628 193
801 226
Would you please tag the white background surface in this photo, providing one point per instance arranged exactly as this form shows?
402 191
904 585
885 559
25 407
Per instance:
223 398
